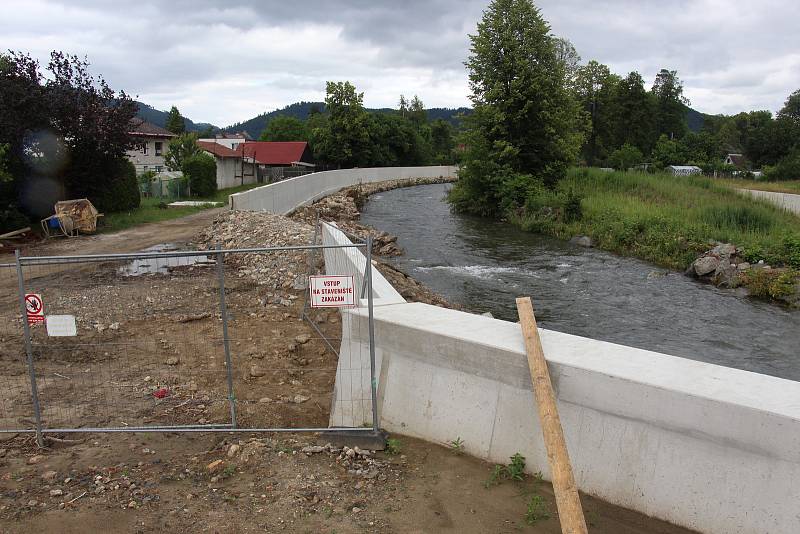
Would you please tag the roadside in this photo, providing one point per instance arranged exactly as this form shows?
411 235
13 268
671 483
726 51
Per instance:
789 186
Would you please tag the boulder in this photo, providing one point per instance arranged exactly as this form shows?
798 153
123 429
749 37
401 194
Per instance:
724 250
582 241
725 274
705 265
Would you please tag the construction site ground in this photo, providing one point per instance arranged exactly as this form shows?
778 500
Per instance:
284 376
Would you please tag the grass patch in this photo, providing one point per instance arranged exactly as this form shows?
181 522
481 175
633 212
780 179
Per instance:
154 210
664 219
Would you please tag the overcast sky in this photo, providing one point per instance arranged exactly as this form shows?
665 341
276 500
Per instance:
223 62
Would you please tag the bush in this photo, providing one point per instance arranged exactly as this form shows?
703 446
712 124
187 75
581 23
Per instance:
201 171
109 183
787 168
625 157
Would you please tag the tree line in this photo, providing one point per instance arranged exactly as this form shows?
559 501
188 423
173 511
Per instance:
345 134
537 111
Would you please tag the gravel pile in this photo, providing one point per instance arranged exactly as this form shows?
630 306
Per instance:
249 229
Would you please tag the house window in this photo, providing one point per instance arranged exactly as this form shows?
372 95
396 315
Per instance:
144 148
158 168
158 148
144 168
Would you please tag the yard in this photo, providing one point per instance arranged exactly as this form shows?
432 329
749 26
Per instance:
154 209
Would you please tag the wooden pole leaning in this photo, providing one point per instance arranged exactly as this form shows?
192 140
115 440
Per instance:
570 512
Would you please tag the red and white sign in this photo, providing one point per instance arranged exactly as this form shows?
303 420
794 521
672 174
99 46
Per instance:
331 291
34 308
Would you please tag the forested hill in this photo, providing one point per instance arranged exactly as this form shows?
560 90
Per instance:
159 118
301 111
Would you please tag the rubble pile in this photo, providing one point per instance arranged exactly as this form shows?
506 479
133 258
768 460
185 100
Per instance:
250 229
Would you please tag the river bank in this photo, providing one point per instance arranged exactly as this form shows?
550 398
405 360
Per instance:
672 221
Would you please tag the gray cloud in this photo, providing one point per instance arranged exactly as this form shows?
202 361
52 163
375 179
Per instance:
225 62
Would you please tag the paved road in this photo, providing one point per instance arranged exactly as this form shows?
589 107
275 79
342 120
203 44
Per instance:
785 200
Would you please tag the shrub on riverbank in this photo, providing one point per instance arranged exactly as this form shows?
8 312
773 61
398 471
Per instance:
661 218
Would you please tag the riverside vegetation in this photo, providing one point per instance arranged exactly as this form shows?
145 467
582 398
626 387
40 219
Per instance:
669 221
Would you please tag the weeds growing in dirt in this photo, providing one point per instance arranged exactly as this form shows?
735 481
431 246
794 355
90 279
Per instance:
537 510
513 471
457 445
393 446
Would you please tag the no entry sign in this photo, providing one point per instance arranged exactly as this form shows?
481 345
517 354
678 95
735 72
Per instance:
331 291
34 308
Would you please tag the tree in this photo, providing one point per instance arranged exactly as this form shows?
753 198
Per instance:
668 152
442 143
180 149
791 109
568 57
285 128
526 128
625 157
201 171
344 137
670 104
634 122
402 106
67 134
594 86
175 122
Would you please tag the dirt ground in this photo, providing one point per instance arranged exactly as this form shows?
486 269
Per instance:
150 352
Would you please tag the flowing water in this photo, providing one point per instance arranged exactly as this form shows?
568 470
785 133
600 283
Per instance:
483 265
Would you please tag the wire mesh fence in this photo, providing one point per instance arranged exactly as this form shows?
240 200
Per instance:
179 340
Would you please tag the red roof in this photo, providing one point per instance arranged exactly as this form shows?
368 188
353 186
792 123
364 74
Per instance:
142 128
219 150
274 152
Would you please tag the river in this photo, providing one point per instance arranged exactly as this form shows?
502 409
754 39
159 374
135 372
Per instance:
483 265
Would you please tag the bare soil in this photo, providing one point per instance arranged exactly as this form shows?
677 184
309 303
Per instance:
150 352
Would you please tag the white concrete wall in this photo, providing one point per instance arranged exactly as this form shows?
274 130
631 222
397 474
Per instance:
703 446
786 201
283 197
227 170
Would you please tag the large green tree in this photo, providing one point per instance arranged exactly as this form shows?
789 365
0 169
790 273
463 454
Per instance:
175 122
343 139
285 128
634 122
594 86
180 149
670 104
526 128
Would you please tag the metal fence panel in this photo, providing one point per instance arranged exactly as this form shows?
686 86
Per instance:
175 340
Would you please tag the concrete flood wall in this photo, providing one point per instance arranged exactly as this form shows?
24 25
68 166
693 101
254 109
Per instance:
285 196
702 446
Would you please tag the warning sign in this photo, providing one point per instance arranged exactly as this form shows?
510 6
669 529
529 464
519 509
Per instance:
331 291
34 308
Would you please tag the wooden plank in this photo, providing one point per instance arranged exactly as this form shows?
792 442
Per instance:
15 232
568 502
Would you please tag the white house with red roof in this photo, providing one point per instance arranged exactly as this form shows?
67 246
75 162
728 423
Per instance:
258 161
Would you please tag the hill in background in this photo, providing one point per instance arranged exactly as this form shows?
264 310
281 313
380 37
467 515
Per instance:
301 110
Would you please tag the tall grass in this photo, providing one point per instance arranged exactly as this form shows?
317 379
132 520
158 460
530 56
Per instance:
667 219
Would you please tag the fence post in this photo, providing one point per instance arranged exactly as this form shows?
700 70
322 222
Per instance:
37 413
373 380
225 341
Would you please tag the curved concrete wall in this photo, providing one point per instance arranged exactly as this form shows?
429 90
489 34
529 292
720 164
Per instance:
703 446
287 195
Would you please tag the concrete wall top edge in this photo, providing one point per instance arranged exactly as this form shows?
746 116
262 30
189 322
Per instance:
698 379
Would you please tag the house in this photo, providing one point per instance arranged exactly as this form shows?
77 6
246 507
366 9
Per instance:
737 160
277 160
232 169
151 142
684 170
229 140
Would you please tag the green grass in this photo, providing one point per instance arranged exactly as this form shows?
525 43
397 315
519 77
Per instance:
663 219
152 210
789 186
